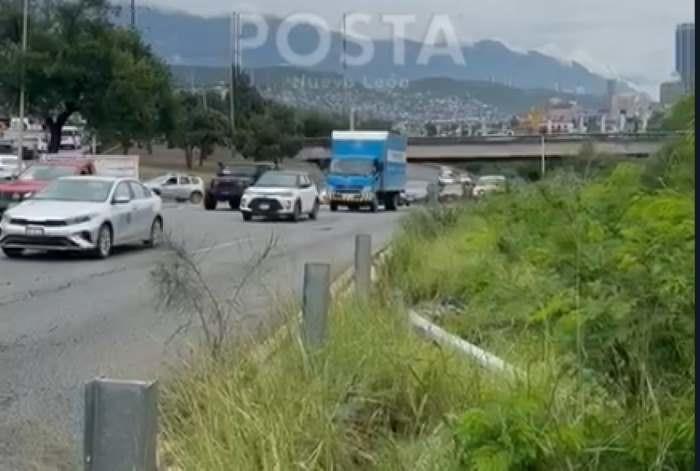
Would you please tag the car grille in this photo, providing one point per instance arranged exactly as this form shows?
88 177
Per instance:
274 205
347 189
28 222
39 241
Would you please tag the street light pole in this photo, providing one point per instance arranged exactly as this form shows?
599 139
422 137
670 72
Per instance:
25 19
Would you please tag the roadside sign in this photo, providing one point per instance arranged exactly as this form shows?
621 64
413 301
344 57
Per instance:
123 166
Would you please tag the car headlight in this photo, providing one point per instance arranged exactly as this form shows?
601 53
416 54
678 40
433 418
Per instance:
29 194
79 220
285 194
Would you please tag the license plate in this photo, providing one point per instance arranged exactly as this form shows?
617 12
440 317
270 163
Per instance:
33 231
348 197
264 206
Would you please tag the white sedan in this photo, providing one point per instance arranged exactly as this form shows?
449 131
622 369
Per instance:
178 187
83 213
281 193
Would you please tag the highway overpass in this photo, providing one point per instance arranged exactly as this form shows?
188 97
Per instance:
514 148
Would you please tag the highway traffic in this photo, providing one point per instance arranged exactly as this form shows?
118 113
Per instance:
66 318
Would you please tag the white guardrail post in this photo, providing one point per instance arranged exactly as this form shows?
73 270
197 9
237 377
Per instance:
315 304
121 425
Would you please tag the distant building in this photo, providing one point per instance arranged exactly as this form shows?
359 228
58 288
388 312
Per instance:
685 55
612 90
670 92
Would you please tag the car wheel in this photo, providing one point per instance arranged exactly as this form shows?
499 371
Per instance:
196 197
210 203
334 207
314 212
234 204
296 216
103 248
247 216
156 237
12 253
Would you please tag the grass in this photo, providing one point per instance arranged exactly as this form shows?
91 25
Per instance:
372 398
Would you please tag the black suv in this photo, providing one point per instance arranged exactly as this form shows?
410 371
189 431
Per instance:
231 181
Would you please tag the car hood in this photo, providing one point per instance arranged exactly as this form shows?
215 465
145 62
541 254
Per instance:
23 186
349 181
46 210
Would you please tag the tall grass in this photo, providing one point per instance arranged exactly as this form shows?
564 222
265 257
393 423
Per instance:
375 397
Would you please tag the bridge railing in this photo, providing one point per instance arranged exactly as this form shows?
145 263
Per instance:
519 139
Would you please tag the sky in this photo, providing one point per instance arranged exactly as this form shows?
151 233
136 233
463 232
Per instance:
631 39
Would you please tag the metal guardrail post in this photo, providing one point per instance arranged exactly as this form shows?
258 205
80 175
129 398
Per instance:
121 425
315 302
433 194
363 264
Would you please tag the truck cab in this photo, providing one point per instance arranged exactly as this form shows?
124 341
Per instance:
368 169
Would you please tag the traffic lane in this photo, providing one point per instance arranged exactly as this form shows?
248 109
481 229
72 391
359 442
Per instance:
53 342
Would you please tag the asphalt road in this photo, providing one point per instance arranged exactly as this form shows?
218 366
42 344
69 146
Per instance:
65 320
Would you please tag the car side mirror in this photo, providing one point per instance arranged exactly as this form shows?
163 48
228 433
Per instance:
121 200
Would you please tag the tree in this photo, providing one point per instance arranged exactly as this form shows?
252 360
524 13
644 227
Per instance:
271 135
430 129
198 128
78 61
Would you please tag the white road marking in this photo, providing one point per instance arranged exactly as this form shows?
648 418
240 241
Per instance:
222 246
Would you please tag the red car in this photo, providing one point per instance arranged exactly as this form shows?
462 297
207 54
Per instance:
36 177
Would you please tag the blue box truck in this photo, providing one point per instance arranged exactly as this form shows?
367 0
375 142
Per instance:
367 170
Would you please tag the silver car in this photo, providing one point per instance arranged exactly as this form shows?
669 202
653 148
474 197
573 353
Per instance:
178 187
86 213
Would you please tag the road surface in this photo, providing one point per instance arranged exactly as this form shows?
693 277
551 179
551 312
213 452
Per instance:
65 320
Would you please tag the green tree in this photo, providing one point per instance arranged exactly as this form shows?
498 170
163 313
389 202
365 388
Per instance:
430 129
78 61
271 135
198 128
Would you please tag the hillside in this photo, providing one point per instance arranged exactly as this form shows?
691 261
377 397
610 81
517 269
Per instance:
185 39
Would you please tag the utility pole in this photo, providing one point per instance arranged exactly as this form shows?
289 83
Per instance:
25 20
233 47
133 14
348 109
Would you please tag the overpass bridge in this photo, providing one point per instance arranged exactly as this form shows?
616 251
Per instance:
453 150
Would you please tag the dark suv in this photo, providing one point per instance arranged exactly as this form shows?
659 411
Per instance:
231 181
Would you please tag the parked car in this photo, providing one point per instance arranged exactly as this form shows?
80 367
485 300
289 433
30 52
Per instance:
490 183
89 214
38 176
9 166
416 192
281 193
179 187
230 183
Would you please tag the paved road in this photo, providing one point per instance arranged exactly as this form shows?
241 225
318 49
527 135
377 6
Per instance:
66 319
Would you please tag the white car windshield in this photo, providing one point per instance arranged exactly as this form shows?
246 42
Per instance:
93 191
277 180
46 172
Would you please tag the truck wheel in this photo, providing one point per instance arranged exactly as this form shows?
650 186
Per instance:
314 212
210 203
374 205
247 216
334 207
391 202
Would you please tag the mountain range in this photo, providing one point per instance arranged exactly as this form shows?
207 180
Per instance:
185 39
